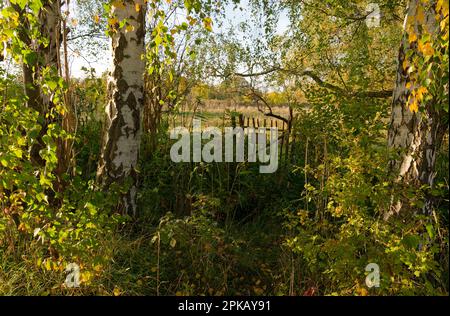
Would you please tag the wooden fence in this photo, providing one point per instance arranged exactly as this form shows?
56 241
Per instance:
286 138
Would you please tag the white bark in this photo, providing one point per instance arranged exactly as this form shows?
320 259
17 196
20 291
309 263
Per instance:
125 91
416 134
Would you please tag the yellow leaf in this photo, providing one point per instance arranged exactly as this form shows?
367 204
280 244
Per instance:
443 24
21 227
439 5
405 64
413 106
207 22
191 20
412 37
97 268
426 49
86 276
129 28
442 7
420 92
420 16
61 110
116 291
363 292
137 6
48 265
118 4
112 21
96 19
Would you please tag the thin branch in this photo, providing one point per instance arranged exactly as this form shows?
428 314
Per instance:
270 113
89 34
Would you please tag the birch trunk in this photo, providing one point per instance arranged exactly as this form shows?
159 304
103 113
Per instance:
417 135
119 157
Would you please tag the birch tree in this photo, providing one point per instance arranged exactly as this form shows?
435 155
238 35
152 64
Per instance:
419 117
120 149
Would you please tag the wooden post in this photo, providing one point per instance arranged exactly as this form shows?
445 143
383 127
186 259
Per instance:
233 121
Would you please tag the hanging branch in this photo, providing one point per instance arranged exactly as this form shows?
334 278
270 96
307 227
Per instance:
314 76
267 105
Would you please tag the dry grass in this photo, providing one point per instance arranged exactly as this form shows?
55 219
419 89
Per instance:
217 113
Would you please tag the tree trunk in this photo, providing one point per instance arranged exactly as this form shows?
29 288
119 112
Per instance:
152 108
64 149
417 135
47 56
119 157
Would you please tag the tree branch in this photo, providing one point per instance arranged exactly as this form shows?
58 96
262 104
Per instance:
308 73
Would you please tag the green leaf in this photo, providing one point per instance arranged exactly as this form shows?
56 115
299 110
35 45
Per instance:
52 85
29 57
158 40
20 3
17 152
411 241
3 161
430 230
35 6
